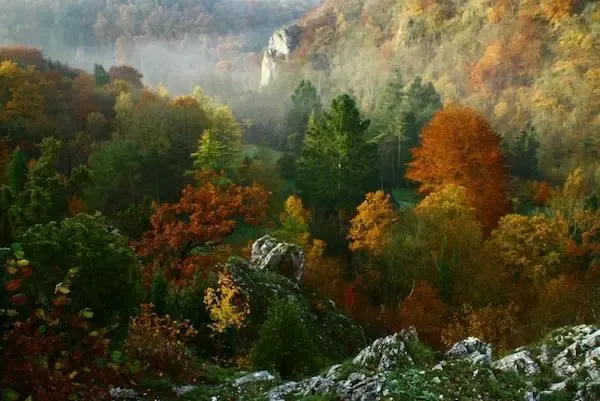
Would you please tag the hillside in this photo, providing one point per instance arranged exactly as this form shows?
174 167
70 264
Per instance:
195 38
521 62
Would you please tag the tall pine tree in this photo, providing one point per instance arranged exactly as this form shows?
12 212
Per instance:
338 163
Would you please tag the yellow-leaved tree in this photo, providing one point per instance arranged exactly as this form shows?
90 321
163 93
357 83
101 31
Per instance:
370 229
530 248
227 305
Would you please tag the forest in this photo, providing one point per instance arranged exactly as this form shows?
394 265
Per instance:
127 212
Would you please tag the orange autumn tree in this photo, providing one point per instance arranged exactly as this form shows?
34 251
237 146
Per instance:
204 216
370 229
459 147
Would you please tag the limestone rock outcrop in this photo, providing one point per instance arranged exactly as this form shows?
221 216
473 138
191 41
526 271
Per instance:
281 44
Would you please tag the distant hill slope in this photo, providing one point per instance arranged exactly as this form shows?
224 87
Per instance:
519 61
172 41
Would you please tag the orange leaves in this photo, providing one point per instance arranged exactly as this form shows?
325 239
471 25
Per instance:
556 10
459 147
12 285
424 309
497 325
370 229
204 215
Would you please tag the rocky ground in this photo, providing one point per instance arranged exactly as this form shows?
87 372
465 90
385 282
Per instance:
564 366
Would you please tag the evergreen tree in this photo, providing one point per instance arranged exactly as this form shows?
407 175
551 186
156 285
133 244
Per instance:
101 76
305 101
338 162
399 117
523 155
17 171
211 154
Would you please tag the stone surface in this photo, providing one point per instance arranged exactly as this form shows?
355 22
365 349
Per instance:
262 375
281 44
282 257
386 352
520 362
472 349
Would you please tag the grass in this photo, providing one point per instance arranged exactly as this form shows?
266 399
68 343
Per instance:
406 197
269 156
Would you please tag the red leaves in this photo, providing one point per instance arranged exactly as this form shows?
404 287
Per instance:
12 285
19 299
204 215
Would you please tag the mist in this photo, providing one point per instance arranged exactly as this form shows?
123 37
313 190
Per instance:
216 44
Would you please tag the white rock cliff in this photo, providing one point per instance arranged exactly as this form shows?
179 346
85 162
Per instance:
281 44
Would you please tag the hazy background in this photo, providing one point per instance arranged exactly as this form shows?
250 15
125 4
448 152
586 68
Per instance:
179 43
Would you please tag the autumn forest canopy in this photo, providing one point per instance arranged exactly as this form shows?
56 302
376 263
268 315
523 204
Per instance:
444 175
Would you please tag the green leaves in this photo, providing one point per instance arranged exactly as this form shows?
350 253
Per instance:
10 395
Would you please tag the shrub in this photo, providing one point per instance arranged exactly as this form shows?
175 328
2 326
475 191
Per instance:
160 343
108 279
285 342
48 353
227 305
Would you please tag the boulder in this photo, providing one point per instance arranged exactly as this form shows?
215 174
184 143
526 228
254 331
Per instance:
361 387
262 375
472 349
281 257
520 362
280 392
387 352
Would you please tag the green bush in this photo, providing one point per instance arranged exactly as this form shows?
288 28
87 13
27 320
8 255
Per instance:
285 342
108 281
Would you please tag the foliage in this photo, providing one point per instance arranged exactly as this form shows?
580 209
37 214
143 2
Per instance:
160 343
529 248
523 155
398 118
494 324
226 305
424 310
370 229
295 222
109 273
45 196
305 102
204 216
459 147
211 154
50 352
285 342
337 162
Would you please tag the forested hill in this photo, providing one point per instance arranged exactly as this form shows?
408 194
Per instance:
193 37
522 62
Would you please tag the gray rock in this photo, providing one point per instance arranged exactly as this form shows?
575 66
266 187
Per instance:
278 393
361 387
520 362
282 257
581 355
472 349
532 396
262 375
119 393
386 352
281 44
181 390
